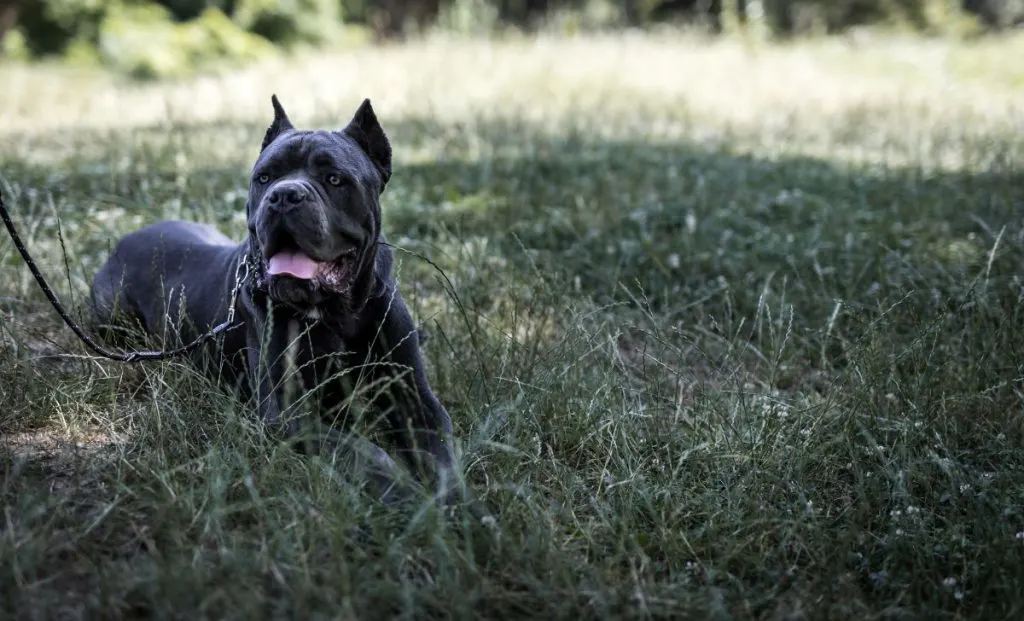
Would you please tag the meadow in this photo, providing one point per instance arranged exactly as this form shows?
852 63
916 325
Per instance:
728 330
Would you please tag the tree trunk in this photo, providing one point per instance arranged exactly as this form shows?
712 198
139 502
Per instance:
8 16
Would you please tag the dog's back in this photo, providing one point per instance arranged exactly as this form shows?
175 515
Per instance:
143 280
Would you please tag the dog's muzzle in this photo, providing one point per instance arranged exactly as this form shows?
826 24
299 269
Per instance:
288 195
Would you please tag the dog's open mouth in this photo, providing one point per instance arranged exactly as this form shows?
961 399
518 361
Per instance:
294 263
299 265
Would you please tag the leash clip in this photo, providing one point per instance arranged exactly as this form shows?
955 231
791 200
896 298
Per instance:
243 267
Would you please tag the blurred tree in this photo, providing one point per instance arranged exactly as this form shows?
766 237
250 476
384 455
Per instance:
700 11
184 10
9 10
289 22
787 17
73 27
49 26
530 13
997 14
145 41
709 12
397 18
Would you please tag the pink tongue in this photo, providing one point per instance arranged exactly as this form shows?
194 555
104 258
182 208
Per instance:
296 264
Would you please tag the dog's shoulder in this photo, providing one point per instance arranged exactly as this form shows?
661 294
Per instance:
387 289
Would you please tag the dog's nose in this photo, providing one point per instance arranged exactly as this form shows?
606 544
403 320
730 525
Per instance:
289 195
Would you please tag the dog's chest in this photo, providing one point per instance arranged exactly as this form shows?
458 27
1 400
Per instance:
317 353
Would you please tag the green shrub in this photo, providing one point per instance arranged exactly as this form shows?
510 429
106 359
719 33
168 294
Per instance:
154 38
787 17
357 11
997 14
145 42
49 26
288 22
184 10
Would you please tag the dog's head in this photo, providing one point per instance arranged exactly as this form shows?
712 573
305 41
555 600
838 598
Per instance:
314 209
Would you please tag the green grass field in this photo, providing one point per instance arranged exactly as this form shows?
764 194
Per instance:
741 336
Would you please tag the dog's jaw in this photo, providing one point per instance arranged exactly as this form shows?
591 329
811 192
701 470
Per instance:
313 286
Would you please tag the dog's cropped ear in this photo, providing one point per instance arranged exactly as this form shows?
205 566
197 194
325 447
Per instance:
368 134
280 125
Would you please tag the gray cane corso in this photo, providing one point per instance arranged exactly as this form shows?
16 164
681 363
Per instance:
316 283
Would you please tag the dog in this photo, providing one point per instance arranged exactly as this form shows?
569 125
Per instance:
312 284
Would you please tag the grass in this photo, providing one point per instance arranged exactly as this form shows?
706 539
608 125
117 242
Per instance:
744 338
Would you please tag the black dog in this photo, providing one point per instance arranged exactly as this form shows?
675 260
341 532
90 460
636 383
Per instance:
316 283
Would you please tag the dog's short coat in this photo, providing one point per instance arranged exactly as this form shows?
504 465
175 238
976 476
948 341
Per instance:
319 285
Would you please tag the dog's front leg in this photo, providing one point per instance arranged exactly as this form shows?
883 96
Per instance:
265 348
268 353
419 425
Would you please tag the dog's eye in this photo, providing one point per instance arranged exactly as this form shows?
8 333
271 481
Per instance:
263 178
334 179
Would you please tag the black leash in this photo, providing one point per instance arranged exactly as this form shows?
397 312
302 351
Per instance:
130 356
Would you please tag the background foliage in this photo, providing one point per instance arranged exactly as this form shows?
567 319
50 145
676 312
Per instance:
161 38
